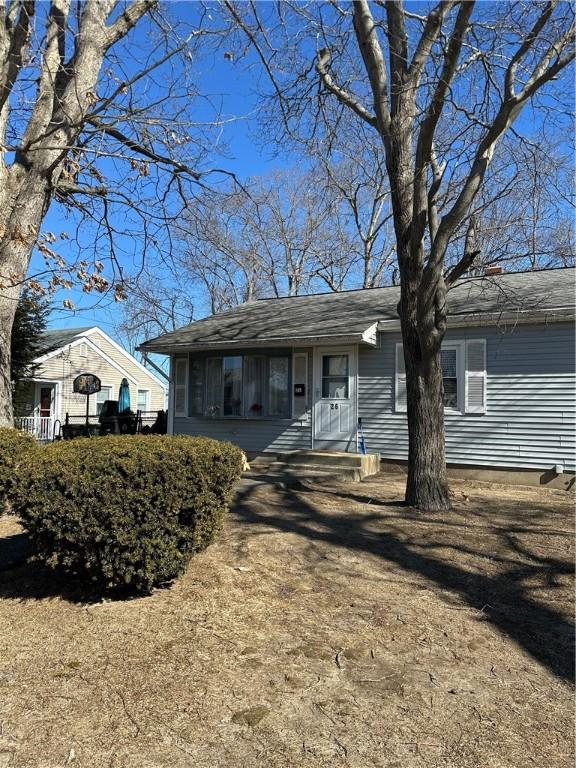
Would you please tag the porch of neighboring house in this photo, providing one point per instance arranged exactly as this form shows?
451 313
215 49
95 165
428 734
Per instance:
40 411
37 409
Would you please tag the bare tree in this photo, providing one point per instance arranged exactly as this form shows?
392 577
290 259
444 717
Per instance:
152 307
441 86
97 123
271 238
355 181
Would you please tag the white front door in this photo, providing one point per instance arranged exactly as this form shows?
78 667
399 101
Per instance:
335 398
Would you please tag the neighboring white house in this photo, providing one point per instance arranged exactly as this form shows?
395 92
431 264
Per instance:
69 352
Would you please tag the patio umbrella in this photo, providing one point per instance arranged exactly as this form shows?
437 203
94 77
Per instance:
124 396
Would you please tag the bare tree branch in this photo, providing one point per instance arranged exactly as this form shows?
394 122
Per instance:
344 97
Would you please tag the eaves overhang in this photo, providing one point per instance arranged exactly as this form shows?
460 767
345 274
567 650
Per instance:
166 347
503 319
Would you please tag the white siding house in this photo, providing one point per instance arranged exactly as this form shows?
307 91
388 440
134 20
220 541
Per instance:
68 353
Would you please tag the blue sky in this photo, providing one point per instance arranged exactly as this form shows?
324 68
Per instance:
231 87
231 90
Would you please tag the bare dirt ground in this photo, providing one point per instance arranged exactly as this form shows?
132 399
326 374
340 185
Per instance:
328 627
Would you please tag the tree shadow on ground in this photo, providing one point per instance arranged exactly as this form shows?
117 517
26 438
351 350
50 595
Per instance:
23 577
14 550
503 596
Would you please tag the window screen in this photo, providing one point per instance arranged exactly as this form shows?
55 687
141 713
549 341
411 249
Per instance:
449 362
335 382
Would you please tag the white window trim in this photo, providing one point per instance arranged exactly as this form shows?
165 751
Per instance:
94 348
400 375
460 348
110 397
143 389
306 401
126 354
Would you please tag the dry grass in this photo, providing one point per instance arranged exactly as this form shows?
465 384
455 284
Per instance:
328 627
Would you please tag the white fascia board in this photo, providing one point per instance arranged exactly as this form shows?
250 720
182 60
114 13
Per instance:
327 339
126 354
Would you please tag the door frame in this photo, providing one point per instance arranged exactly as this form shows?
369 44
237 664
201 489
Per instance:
55 405
352 351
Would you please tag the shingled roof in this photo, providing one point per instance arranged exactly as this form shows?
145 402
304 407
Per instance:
59 337
354 316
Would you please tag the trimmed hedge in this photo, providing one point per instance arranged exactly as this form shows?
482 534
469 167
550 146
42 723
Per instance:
127 511
16 450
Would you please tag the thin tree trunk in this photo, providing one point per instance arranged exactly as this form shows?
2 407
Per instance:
8 303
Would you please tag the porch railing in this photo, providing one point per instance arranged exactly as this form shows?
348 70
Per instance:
42 427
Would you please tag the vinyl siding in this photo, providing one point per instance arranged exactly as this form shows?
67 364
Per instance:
252 435
64 366
530 397
145 380
255 435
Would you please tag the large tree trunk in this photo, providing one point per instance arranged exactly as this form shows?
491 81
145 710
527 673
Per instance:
23 202
427 484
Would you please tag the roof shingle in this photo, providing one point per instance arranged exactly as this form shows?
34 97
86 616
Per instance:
351 313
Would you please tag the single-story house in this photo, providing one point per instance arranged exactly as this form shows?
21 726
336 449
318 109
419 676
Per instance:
298 373
64 354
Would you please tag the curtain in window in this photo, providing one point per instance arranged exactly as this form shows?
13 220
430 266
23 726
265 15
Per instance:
232 367
214 386
254 384
278 383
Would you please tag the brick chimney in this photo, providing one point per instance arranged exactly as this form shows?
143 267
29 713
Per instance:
489 271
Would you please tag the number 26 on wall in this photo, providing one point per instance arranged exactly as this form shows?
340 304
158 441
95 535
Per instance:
334 406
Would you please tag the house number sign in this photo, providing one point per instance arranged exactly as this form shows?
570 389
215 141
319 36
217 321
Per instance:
87 384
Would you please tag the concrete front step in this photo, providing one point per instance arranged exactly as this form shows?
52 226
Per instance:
336 464
369 463
320 471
